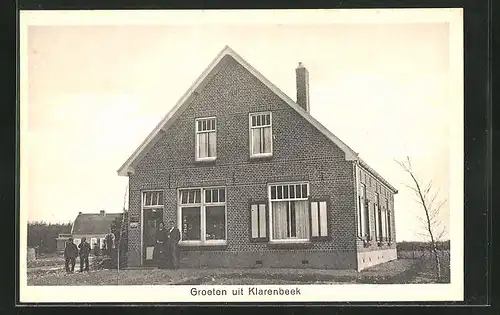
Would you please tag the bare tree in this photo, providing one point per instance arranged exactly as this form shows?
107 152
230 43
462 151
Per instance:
427 197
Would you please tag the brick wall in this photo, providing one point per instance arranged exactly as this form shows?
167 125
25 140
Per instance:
300 153
372 187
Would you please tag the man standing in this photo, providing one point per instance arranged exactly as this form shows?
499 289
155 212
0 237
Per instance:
174 236
84 254
110 242
70 252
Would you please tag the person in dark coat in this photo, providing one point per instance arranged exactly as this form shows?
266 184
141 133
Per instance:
84 251
70 253
110 242
160 250
174 236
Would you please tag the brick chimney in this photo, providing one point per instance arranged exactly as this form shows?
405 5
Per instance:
302 76
102 212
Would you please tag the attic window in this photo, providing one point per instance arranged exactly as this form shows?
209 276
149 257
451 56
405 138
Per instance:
206 138
261 142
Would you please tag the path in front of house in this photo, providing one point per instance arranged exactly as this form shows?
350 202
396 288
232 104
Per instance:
400 271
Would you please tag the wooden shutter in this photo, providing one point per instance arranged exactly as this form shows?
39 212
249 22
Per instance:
259 230
319 219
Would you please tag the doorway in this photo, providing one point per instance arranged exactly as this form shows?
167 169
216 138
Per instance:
152 219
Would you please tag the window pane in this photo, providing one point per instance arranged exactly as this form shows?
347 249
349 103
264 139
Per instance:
203 145
280 192
256 145
285 192
298 191
212 144
198 126
323 219
215 195
216 223
280 225
301 219
222 195
184 196
292 191
197 196
160 198
314 219
262 220
208 196
268 119
384 225
191 196
388 220
292 231
273 192
304 191
267 139
255 221
191 219
258 121
254 121
204 124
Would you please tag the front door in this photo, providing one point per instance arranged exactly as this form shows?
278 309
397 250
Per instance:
152 219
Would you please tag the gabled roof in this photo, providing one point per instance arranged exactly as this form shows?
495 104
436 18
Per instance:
93 223
197 87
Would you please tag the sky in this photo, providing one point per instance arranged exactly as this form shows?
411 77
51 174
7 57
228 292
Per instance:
94 92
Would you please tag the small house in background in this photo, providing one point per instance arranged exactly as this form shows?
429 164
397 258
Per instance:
92 226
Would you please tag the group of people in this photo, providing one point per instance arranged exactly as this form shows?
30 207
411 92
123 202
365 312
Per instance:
165 253
71 251
166 250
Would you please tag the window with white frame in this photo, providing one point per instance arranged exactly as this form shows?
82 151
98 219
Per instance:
383 223
206 138
364 217
202 213
152 199
259 222
289 212
319 222
388 220
261 140
378 219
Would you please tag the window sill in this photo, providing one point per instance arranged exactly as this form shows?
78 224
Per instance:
261 157
205 160
289 244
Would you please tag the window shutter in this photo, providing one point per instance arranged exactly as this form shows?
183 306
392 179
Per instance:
319 219
255 221
262 221
258 222
323 223
314 219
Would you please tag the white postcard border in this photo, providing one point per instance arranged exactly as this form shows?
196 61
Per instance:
309 293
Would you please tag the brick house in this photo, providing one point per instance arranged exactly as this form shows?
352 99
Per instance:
252 179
